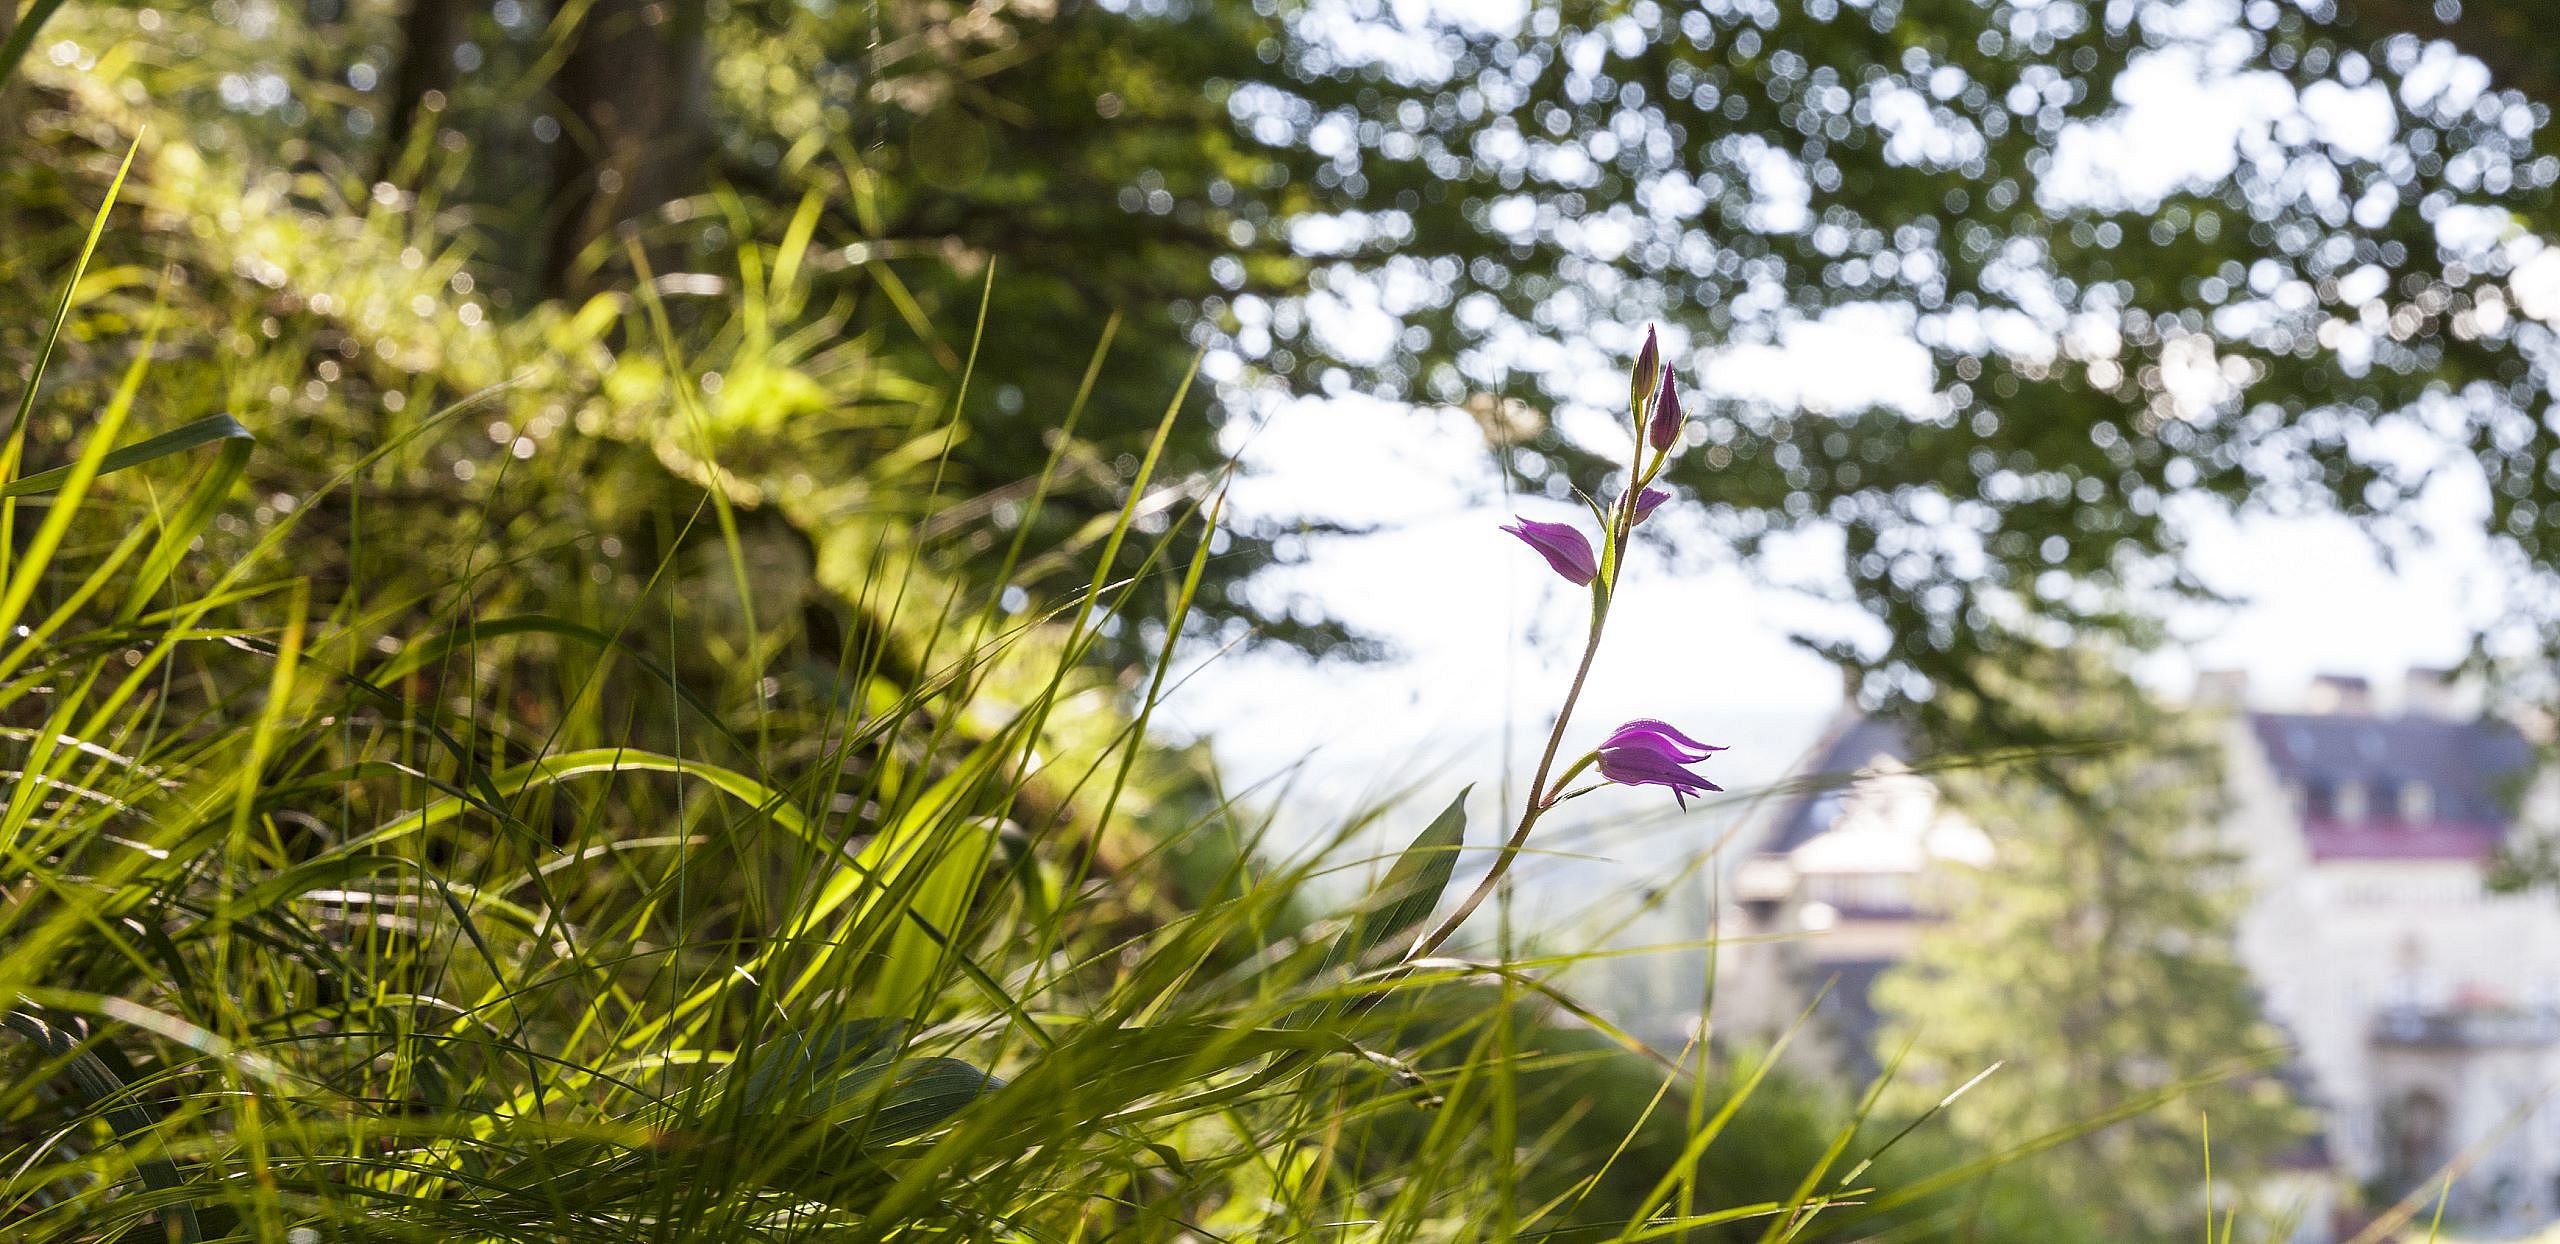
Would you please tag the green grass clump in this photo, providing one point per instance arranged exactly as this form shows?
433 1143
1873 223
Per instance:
369 882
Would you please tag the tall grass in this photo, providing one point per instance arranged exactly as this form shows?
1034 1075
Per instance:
367 910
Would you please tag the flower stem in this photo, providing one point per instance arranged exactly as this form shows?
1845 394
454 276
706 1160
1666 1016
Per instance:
1538 804
1542 796
1554 795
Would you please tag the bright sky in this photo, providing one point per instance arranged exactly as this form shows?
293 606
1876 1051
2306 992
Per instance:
1486 636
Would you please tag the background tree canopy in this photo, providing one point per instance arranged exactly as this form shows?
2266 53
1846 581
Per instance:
1737 168
1403 200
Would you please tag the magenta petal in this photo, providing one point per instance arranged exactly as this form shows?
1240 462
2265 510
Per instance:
1647 769
1661 736
1648 501
1647 752
1564 547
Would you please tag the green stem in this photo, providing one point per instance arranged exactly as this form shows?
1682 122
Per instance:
1553 795
1528 816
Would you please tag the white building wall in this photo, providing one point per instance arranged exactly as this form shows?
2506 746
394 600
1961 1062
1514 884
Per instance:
2333 943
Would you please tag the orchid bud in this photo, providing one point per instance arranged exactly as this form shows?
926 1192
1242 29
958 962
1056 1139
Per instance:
1666 412
1648 373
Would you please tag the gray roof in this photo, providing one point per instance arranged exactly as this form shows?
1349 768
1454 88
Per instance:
2470 767
1852 744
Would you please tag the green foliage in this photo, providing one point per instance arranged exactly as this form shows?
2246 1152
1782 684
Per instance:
431 831
2100 352
2091 963
18 33
674 765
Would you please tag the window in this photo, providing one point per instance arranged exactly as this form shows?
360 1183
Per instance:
2417 802
2414 1127
2352 807
1869 893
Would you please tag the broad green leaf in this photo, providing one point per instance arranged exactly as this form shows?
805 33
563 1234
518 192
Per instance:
1412 886
923 1094
850 1075
94 1083
211 490
790 1067
945 877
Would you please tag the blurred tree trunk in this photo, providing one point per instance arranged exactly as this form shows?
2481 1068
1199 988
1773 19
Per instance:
423 80
8 83
633 97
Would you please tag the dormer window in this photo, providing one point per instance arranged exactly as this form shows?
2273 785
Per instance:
2353 806
2417 802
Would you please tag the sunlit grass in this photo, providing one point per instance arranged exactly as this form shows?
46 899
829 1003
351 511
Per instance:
338 921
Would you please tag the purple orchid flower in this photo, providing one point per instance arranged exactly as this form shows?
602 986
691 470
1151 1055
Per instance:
1648 501
1646 752
1562 545
1666 412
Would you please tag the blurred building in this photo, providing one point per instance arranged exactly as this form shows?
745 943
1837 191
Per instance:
2424 1006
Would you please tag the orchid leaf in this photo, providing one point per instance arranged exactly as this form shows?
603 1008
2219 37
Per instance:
1412 886
793 1064
91 1080
922 1094
850 1074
